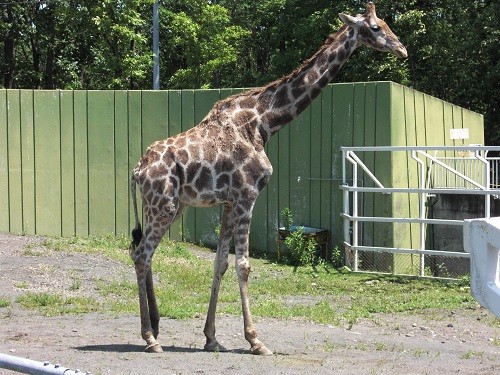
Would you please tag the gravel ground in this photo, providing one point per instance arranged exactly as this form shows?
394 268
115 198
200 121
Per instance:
439 342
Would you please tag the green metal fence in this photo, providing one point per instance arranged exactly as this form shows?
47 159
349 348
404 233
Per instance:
66 156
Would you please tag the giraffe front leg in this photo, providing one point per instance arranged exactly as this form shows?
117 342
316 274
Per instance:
212 345
220 267
243 271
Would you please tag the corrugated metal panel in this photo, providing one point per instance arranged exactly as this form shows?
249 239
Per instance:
67 157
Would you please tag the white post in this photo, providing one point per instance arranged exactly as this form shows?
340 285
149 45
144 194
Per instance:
482 241
487 197
345 208
355 216
421 209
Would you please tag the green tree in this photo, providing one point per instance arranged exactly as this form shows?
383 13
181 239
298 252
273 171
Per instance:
199 45
121 55
75 44
453 45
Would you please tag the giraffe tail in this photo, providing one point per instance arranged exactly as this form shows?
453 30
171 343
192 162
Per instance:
137 231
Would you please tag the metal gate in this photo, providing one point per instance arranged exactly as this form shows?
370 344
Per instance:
400 203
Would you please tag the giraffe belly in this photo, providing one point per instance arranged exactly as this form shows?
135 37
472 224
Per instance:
205 198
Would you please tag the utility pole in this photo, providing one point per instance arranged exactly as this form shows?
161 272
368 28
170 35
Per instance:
156 47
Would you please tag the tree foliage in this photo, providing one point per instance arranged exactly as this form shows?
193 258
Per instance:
453 45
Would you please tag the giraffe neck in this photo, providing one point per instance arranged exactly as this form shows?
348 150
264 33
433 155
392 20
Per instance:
283 100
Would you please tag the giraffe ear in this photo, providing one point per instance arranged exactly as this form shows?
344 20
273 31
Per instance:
348 20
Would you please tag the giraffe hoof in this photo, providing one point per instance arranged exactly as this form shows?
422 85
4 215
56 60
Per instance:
154 348
260 350
214 347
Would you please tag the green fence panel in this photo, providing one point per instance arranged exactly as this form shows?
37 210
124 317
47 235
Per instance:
66 100
282 168
122 167
28 162
134 116
408 110
382 232
300 167
329 185
420 118
4 163
476 133
81 164
315 164
47 126
154 117
101 159
433 121
342 133
15 161
67 158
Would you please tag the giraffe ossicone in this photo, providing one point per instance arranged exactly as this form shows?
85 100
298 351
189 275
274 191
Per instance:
222 161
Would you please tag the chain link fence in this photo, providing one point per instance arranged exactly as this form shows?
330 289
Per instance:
437 266
409 222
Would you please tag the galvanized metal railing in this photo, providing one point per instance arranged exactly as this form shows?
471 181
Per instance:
466 180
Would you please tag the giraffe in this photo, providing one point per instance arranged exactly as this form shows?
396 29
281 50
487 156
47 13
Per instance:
222 161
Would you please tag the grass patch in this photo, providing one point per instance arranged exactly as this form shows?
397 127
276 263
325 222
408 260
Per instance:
120 295
33 249
22 285
113 247
51 304
4 302
183 283
471 354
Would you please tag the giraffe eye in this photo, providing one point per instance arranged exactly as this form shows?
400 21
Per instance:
375 28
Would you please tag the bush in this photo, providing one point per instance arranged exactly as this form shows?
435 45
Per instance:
301 249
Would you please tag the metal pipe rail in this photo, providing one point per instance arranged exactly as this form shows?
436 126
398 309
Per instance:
402 250
28 366
423 159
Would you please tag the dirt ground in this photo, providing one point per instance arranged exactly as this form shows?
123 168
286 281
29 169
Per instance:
441 342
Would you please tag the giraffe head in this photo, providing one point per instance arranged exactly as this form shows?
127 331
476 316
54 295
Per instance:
374 32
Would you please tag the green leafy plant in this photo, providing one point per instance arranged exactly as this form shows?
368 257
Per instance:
286 216
302 249
337 258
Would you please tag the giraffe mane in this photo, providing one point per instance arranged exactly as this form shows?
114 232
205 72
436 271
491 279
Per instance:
259 90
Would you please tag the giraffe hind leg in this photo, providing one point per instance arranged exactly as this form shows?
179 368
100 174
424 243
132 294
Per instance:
147 302
137 235
142 254
154 314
